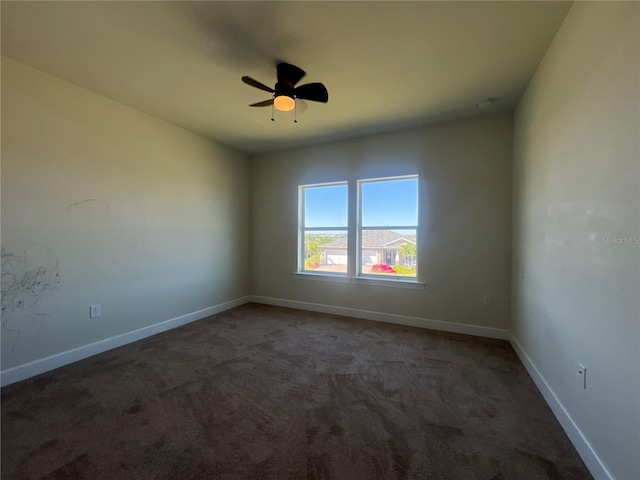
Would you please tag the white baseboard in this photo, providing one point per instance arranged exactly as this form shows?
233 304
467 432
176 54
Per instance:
589 456
388 317
31 369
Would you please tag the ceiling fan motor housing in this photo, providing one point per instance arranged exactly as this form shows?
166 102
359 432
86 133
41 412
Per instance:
284 88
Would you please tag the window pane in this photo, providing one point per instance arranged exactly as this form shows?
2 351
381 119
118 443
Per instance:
325 252
390 202
389 252
325 206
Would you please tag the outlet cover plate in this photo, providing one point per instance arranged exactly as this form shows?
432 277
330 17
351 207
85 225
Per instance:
582 375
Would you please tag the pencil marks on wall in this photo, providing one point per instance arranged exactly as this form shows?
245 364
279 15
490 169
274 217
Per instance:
30 279
90 210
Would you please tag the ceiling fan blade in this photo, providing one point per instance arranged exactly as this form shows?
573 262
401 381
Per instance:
257 84
315 92
266 103
289 74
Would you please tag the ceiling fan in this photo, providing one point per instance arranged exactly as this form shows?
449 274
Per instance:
285 92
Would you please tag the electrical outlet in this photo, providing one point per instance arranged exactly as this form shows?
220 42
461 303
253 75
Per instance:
486 299
94 311
582 375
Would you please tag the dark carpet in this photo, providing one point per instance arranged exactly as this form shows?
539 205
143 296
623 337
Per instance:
262 392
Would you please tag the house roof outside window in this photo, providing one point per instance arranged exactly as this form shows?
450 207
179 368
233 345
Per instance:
374 239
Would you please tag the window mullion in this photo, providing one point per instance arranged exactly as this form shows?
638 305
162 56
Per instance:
301 228
354 230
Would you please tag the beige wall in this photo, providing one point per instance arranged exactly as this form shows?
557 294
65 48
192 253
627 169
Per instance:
576 184
465 202
165 234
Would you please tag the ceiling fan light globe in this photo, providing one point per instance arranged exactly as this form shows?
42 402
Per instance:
284 103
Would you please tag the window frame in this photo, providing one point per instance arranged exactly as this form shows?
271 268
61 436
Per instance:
354 229
302 229
360 228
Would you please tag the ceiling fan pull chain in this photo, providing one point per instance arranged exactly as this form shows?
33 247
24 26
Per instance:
272 119
295 112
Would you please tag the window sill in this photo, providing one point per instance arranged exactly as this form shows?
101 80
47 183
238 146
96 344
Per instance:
376 282
390 282
324 277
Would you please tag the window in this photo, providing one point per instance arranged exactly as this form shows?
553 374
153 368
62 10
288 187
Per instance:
323 228
384 231
388 226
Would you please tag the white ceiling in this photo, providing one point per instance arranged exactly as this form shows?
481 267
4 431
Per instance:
387 65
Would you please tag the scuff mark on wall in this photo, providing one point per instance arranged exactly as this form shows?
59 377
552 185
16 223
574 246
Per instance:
90 210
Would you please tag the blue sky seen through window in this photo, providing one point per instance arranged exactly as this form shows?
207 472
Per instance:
390 202
386 202
325 206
